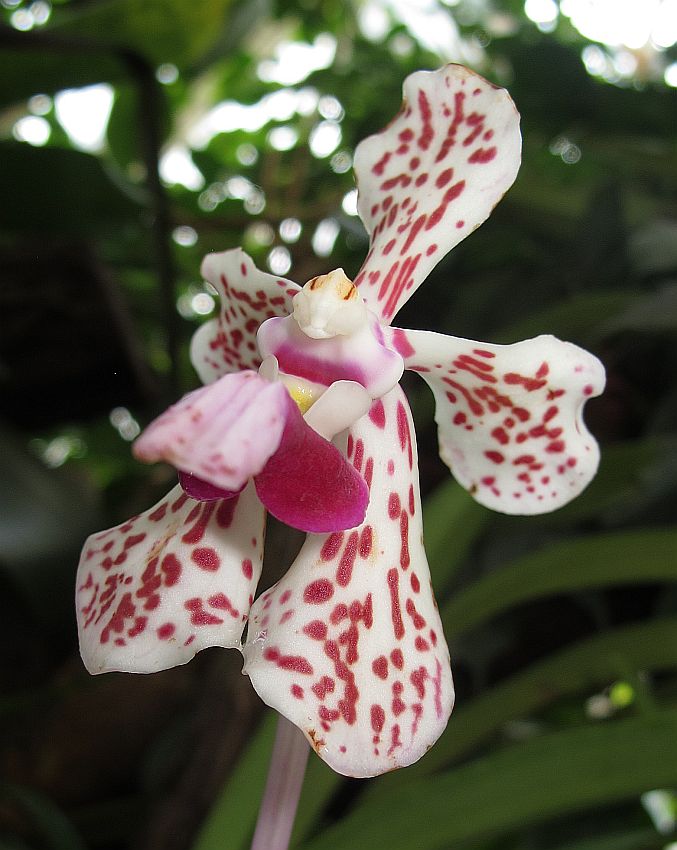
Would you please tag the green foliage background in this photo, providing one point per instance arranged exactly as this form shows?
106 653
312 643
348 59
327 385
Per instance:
562 629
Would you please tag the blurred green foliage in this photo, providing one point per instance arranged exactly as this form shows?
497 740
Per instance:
563 628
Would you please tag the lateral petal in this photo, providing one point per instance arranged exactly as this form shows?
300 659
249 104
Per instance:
510 417
430 178
249 296
222 433
348 644
155 590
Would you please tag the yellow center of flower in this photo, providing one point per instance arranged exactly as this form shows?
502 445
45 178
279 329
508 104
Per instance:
303 396
304 393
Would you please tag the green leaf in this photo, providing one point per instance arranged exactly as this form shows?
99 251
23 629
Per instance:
594 561
160 30
45 818
58 190
525 784
639 839
587 664
451 522
583 317
230 823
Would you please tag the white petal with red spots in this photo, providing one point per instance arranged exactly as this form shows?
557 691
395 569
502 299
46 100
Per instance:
510 417
431 177
165 584
248 297
349 644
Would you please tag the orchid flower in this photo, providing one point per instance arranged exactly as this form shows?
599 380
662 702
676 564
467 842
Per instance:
302 414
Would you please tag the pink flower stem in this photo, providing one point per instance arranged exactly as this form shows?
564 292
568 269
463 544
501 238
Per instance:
283 788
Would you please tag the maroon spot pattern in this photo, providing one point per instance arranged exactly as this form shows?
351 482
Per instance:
424 178
380 688
248 297
162 585
508 418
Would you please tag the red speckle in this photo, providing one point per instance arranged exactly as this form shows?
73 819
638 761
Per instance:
378 718
417 619
286 596
482 155
588 389
417 679
395 611
318 591
377 414
380 667
171 567
296 691
247 568
166 630
365 541
225 512
397 658
200 617
206 558
421 644
394 506
494 457
331 546
555 447
316 630
288 662
157 514
415 583
345 567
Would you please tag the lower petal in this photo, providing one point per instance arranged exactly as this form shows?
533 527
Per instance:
510 417
308 484
349 644
167 583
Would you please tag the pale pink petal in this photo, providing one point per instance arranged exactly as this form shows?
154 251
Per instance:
222 433
248 297
431 177
510 417
308 484
155 590
349 644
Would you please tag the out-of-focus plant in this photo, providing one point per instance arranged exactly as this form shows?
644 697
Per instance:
561 630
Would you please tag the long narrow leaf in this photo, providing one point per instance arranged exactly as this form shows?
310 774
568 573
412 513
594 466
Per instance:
599 561
525 784
231 821
590 663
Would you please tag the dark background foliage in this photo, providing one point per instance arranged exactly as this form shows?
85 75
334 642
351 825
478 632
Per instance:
563 629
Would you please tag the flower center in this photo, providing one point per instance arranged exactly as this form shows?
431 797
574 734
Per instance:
329 305
304 393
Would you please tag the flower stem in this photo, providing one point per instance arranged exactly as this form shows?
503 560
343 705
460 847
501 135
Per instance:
283 788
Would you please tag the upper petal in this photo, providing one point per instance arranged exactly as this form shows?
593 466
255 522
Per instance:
227 343
165 584
222 433
431 177
510 417
349 644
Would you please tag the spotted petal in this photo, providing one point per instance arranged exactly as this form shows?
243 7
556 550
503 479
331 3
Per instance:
165 584
431 177
227 343
222 433
510 417
349 644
